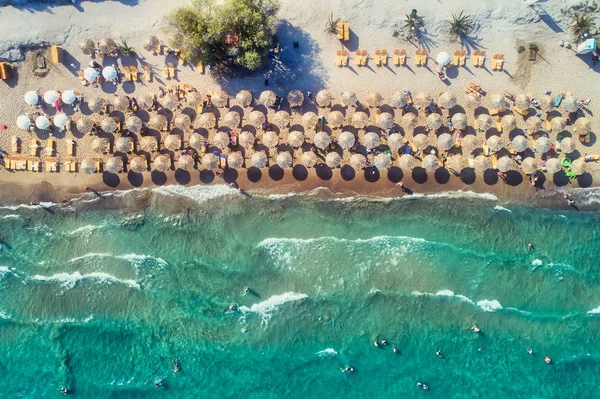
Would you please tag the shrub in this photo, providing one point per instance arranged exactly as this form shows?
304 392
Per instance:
461 25
521 49
533 46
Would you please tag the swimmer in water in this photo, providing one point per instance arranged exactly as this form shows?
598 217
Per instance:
395 349
246 289
480 349
159 383
376 344
384 342
439 354
348 369
475 328
547 359
530 247
530 351
64 390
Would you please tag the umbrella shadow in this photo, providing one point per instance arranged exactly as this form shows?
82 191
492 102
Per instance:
182 176
135 179
111 179
324 172
468 175
207 176
442 176
159 178
586 180
419 175
395 174
513 178
372 174
254 174
348 173
560 179
276 172
490 177
299 172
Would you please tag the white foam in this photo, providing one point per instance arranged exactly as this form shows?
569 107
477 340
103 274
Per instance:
11 216
196 193
140 260
586 196
277 241
595 311
25 206
329 352
84 230
4 316
266 307
281 196
445 293
537 262
453 194
490 306
503 209
90 256
70 280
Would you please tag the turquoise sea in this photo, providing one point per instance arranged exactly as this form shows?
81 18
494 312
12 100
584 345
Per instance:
103 294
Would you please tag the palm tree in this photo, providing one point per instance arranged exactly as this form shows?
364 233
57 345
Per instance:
412 24
582 24
331 26
461 25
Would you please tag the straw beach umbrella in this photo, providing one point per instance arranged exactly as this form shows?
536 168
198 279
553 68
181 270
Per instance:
173 142
505 164
246 139
162 163
235 160
207 120
335 119
481 163
498 101
114 164
120 104
322 140
459 121
431 163
157 122
123 144
543 144
422 100
270 139
267 98
134 124
395 141
385 121
349 98
23 122
374 99
295 98
578 166
109 125
196 141
256 119
360 119
185 162
494 143
407 161
324 98
445 141
281 119
220 140
109 73
138 164
220 98
151 43
32 97
583 126
88 166
183 121
558 123
309 120
473 100
434 121
357 161
231 120
84 124
567 145
284 160
295 139
170 101
107 45
522 101
146 101
519 143
409 120
193 99
333 159
308 159
259 159
210 161
382 161
420 141
546 103
370 140
553 165
68 97
96 104
398 99
243 98
570 104
87 46
455 162
148 144
508 122
346 140
447 100
50 97
533 123
100 144
484 122
529 166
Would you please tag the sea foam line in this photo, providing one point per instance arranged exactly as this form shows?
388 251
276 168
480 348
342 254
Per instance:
135 259
268 306
274 241
502 209
487 305
70 280
329 352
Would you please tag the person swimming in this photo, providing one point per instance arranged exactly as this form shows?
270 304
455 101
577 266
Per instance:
395 349
530 351
376 344
64 390
439 354
476 329
348 369
384 342
547 359
425 387
530 247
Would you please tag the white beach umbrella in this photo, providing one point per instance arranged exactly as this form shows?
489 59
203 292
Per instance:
422 99
498 101
447 100
270 139
100 144
324 98
87 46
246 139
333 159
107 45
90 74
442 59
407 161
23 122
42 122
134 124
558 124
398 99
109 125
60 120
295 98
259 159
533 123
96 104
309 120
50 97
109 73
235 160
68 97
567 145
385 121
543 144
295 138
196 141
284 160
193 99
360 119
522 101
335 119
382 161
346 140
455 162
162 163
445 141
186 162
123 144
349 98
138 164
473 100
120 103
508 122
357 161
207 120
267 98
409 120
546 103
170 101
529 166
505 164
157 121
220 140
243 98
553 165
374 98
370 140
32 97
322 140
434 121
114 164
459 121
173 142
519 143
431 163
308 159
84 124
395 141
421 141
484 122
146 101
210 161
494 143
231 120
151 43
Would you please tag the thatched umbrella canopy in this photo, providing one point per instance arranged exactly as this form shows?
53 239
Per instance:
469 142
147 144
100 144
407 161
578 166
553 165
270 139
281 119
134 124
569 103
558 123
256 119
235 160
520 143
84 124
543 144
244 98
309 120
473 100
284 160
497 101
186 162
349 98
96 104
583 126
109 125
422 100
193 99
434 121
170 101
567 145
173 142
459 121
322 140
151 43
522 101
295 139
107 45
88 166
395 141
370 140
382 161
431 163
114 164
259 159
447 100
346 140
409 120
324 98
445 141
231 120
210 161
207 120
358 161
295 98
123 144
360 120
333 159
146 101
481 163
494 143
138 164
546 103
529 166
385 121
196 141
267 98
157 121
508 122
246 139
219 98
220 140
162 163
87 46
120 103
308 159
374 99
421 141
398 99
484 122
183 121
533 123
505 164
455 162
335 119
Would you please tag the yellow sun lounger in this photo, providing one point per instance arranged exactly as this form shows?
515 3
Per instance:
127 73
358 58
33 149
134 73
147 74
33 164
56 54
500 62
396 57
338 58
70 147
378 57
499 126
424 57
200 67
455 58
463 58
493 61
51 164
345 58
165 72
486 149
495 161
476 58
50 146
340 30
364 58
3 71
521 111
171 70
418 58
346 31
70 164
481 58
403 57
15 141
384 57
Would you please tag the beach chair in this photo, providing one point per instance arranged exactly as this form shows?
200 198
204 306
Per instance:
340 30
396 57
346 31
521 111
378 57
500 62
471 161
384 57
338 58
358 58
200 66
50 146
51 164
462 60
165 72
134 73
15 141
70 147
98 164
494 111
3 71
33 149
424 57
495 161
171 70
585 139
345 58
558 99
33 164
70 164
418 58
499 126
476 58
364 58
455 58
55 54
147 74
548 124
493 61
486 149
127 73
403 57
481 58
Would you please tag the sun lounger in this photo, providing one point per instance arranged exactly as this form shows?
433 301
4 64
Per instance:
340 30
495 161
358 58
455 58
345 58
131 145
500 62
15 141
378 57
493 61
55 54
418 58
471 161
364 58
50 146
33 164
384 57
134 73
486 149
424 57
494 111
346 31
338 58
481 58
70 147
147 74
558 99
476 58
51 164
585 139
402 57
521 111
396 57
3 71
165 72
463 58
70 164
33 149
200 67
499 126
171 70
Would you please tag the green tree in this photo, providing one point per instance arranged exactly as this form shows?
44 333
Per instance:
582 24
461 25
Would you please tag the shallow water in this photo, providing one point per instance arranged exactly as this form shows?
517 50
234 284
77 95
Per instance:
103 294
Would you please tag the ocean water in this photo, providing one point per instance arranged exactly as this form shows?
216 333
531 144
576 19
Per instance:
103 294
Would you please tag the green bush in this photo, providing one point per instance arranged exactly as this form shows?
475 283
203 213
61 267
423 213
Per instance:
521 49
533 46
